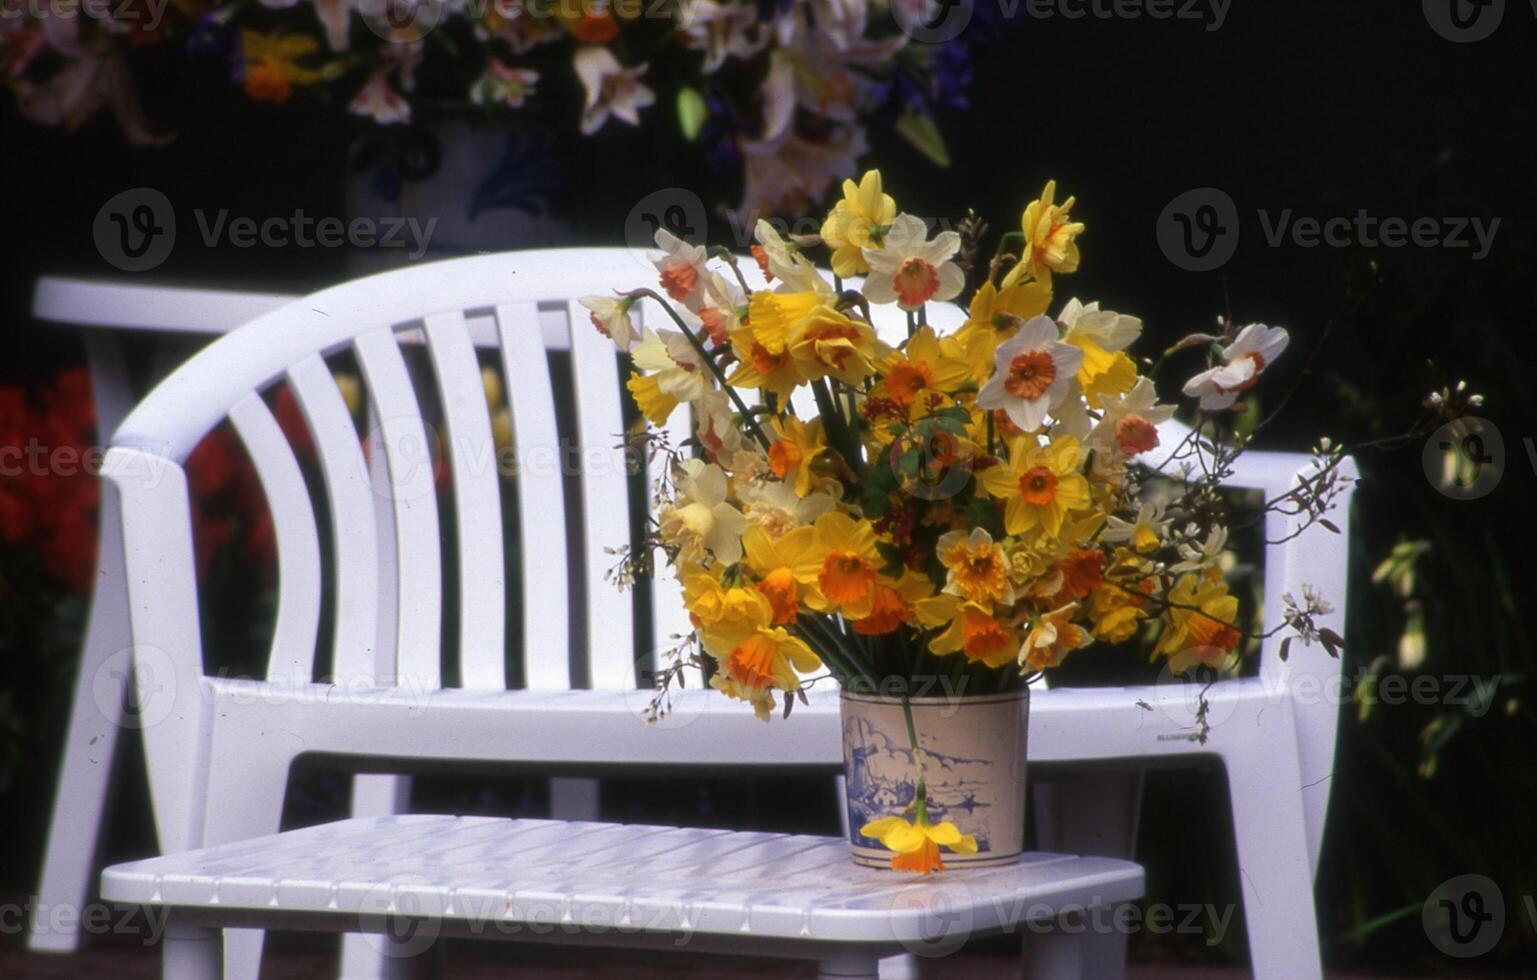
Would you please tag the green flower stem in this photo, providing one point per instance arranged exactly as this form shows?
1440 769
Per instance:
920 801
704 355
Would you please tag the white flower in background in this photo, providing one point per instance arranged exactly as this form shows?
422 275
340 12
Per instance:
722 30
775 506
681 266
668 356
503 84
783 174
701 520
1256 348
1130 422
1143 533
612 318
1032 374
379 102
910 269
612 90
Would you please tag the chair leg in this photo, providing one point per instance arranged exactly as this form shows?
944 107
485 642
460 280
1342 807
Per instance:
190 952
245 800
1273 866
84 790
852 966
363 958
1092 812
1059 954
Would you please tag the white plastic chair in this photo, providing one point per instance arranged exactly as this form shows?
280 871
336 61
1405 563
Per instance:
1277 747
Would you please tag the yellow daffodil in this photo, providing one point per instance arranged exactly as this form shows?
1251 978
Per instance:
917 843
1116 612
778 509
928 364
840 566
976 566
895 603
858 221
1040 485
828 344
756 656
1198 625
794 451
970 628
761 366
773 561
711 603
1051 638
1050 238
1102 335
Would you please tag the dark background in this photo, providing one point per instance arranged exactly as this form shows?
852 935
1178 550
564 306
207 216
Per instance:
1318 107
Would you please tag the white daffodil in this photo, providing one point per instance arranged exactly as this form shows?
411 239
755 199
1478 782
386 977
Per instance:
1256 347
681 267
1143 533
668 356
1130 422
1108 330
1032 374
612 90
714 425
788 264
911 270
701 521
775 506
612 318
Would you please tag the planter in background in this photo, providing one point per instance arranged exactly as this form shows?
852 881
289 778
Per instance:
974 767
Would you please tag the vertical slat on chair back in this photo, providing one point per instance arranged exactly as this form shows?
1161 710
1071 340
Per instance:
468 447
292 658
605 497
541 504
410 497
354 534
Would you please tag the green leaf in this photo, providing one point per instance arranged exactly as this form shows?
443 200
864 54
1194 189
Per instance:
924 135
692 112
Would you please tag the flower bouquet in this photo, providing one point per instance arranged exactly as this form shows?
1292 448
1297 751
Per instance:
966 506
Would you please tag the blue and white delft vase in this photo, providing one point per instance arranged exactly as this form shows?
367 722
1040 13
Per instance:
974 766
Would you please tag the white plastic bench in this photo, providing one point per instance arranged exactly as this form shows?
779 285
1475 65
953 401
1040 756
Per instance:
1276 747
414 880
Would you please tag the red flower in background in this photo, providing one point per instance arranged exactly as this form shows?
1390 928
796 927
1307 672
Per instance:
49 489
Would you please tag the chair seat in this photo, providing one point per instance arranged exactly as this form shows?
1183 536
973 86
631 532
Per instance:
491 871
